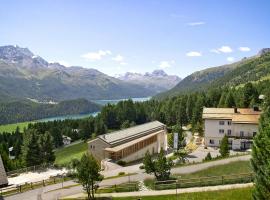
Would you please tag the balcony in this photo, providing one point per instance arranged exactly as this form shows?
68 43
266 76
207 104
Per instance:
246 135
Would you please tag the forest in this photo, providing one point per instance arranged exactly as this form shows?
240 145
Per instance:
180 110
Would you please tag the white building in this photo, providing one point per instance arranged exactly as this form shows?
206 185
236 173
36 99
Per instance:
66 140
239 124
130 144
3 175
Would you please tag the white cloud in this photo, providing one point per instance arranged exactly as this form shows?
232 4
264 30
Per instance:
118 58
225 49
194 54
230 59
244 49
196 23
92 56
166 64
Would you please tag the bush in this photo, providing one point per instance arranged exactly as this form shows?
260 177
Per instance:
208 157
141 167
121 173
121 163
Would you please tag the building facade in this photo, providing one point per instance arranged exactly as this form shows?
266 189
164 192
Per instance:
239 124
3 175
130 144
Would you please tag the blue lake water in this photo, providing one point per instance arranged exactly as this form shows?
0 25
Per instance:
102 102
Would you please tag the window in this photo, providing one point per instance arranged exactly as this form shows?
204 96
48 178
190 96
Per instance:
254 134
241 133
212 141
221 123
229 131
221 131
229 123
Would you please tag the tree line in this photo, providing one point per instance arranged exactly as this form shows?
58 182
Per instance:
174 112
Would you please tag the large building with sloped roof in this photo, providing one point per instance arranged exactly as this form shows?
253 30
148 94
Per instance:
239 124
130 144
3 175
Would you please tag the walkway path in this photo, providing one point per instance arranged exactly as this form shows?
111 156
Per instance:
50 192
167 192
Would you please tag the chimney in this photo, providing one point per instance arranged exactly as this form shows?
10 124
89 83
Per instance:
235 110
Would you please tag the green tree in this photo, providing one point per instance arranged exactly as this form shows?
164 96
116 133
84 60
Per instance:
261 157
208 157
46 148
31 149
229 101
224 147
181 155
88 174
125 124
222 99
161 167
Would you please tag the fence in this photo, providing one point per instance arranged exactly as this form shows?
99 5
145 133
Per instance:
32 169
32 185
204 181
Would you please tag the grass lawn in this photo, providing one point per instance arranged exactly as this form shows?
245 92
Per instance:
215 173
12 127
238 167
234 194
66 154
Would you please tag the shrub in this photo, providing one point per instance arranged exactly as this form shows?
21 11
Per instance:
121 162
121 173
208 157
141 167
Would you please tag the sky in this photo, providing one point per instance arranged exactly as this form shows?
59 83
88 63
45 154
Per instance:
118 36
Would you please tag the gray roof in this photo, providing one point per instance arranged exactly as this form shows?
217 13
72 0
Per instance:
119 137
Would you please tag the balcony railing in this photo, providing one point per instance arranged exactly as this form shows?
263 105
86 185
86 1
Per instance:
238 135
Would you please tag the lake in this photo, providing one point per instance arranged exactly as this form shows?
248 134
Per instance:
102 102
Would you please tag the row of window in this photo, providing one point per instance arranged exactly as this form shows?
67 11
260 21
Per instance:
223 123
229 132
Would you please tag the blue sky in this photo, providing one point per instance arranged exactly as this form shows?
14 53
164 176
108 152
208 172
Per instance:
115 36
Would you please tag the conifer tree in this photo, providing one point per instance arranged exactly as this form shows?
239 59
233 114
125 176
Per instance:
261 157
31 149
224 147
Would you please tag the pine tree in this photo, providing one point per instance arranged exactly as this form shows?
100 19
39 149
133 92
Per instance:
229 101
31 149
261 157
221 102
224 147
46 147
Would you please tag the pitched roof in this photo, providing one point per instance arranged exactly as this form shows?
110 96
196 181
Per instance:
119 137
243 115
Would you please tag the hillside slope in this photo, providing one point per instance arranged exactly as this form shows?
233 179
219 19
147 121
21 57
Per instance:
255 68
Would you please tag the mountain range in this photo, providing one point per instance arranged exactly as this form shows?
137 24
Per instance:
26 75
252 69
158 80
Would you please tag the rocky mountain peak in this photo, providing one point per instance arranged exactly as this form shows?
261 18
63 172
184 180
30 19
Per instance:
264 51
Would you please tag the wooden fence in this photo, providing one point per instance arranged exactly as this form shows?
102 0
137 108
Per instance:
204 181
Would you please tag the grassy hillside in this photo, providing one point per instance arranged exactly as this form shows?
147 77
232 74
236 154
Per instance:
248 70
12 127
66 154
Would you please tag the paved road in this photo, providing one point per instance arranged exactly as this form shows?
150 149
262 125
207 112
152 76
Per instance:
50 192
168 192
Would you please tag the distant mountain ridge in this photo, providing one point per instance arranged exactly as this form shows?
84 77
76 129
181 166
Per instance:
248 69
26 75
158 80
